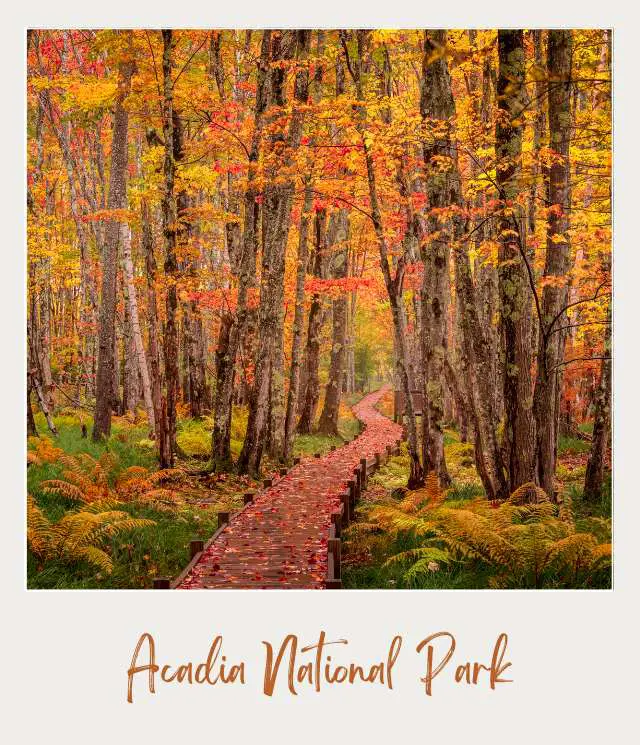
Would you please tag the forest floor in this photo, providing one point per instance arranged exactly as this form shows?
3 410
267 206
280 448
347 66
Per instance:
366 551
186 510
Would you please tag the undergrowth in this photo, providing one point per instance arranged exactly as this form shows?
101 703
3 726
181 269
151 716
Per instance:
456 539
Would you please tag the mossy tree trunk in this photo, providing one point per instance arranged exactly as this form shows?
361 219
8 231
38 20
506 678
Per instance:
515 291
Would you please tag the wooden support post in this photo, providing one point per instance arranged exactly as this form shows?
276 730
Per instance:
378 461
357 477
317 455
248 497
296 460
363 467
336 521
352 497
267 483
195 547
223 519
161 583
283 472
333 546
346 504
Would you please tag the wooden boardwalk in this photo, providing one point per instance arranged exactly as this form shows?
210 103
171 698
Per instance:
287 536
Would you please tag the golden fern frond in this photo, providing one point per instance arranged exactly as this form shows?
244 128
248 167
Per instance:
95 556
106 463
166 474
102 505
362 527
575 547
425 553
39 534
435 495
565 513
133 479
599 526
43 450
601 554
134 472
81 480
79 528
126 524
430 495
64 489
160 496
472 535
528 493
73 463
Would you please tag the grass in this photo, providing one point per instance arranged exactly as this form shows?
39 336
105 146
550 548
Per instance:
572 445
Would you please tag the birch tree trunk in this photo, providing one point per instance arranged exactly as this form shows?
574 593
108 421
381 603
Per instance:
134 316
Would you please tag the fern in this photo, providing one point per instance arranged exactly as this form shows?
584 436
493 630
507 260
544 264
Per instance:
82 534
527 541
86 480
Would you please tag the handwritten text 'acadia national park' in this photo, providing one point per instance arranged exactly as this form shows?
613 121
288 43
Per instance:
293 667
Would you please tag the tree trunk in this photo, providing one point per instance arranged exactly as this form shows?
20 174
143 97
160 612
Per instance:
32 430
557 258
167 428
477 354
278 198
155 374
134 318
223 404
117 201
601 438
337 233
131 372
310 392
515 291
298 323
436 105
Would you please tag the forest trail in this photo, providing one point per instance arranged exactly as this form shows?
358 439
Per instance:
279 541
